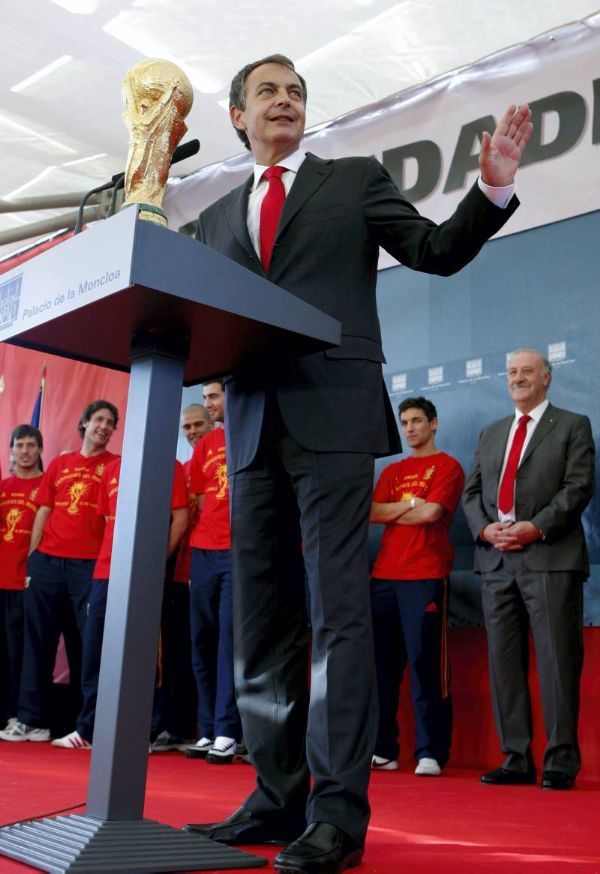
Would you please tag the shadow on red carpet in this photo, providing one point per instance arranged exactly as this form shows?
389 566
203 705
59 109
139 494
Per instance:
451 824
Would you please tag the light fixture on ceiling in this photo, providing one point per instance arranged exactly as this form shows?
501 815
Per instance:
21 128
83 160
41 74
78 7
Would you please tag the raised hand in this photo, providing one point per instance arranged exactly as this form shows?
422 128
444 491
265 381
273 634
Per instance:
501 152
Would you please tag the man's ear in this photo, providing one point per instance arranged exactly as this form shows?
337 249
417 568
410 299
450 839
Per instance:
236 116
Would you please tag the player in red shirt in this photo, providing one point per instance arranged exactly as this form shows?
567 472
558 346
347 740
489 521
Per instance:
181 704
65 540
416 499
17 511
211 611
108 493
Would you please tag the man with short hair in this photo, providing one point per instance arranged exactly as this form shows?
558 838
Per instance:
211 593
533 478
416 500
65 540
17 511
195 423
301 476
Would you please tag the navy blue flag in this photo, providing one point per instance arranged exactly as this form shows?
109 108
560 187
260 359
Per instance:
36 415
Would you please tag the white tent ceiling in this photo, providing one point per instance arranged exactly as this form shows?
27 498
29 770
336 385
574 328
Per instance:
62 132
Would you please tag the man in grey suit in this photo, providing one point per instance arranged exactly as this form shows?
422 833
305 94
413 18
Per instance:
300 457
532 480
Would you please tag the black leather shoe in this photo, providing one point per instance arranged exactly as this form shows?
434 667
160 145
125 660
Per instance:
244 827
322 849
504 777
557 780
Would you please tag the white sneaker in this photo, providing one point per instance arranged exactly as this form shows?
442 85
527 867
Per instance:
18 732
222 751
200 749
10 723
72 741
378 763
427 768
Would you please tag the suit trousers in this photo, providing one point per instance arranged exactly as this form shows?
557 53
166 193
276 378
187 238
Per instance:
515 599
294 509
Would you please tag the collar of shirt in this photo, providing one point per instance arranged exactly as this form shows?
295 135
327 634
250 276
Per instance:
536 414
291 164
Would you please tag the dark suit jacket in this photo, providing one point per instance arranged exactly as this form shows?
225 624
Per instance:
336 216
554 484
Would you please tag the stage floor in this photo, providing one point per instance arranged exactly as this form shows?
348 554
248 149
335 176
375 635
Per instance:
448 824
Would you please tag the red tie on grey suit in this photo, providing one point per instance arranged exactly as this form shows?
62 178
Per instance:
506 493
270 212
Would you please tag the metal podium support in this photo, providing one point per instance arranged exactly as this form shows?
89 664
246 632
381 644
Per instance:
192 314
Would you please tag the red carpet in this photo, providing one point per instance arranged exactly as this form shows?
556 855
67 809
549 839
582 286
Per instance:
450 824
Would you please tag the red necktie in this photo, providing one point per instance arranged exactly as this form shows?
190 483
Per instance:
506 494
270 211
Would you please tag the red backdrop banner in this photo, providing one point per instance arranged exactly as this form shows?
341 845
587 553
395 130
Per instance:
69 387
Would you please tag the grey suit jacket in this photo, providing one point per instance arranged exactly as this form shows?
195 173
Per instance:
554 484
337 215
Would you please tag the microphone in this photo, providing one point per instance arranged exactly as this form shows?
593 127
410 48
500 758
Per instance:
185 150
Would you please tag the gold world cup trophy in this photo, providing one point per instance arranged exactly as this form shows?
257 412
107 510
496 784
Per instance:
156 97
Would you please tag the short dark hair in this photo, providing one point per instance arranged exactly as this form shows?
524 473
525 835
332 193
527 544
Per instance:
22 431
419 403
237 92
92 408
218 379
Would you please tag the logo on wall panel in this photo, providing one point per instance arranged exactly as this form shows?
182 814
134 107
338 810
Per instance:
398 382
435 375
473 368
557 352
10 297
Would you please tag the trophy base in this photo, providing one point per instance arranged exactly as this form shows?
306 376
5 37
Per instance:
147 212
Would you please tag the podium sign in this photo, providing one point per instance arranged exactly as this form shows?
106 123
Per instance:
129 295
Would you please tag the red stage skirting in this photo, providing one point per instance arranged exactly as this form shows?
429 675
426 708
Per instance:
451 824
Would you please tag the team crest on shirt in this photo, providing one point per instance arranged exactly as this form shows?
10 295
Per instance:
429 472
33 493
221 474
13 517
99 469
76 493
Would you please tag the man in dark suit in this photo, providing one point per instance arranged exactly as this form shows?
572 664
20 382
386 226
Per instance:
532 480
303 432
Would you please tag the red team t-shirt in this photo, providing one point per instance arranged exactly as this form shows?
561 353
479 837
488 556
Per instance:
184 553
18 506
107 507
209 478
70 487
418 552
